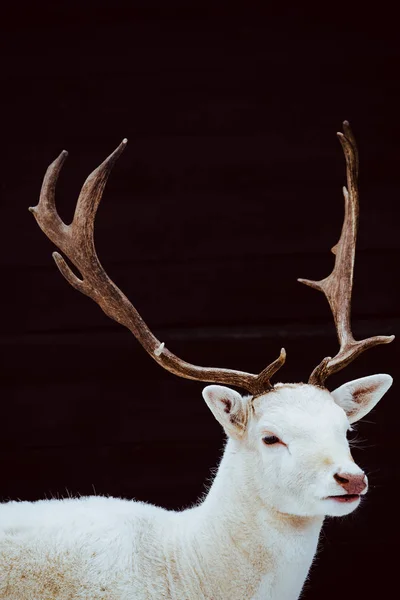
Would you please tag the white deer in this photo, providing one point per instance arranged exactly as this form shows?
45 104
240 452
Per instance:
286 465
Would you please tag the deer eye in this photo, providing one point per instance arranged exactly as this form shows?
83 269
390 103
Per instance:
269 440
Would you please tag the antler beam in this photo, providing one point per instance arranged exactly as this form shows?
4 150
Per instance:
76 241
337 287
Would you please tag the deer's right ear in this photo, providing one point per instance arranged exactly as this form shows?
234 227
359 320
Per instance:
228 407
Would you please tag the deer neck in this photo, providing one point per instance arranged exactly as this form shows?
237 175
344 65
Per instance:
235 494
260 541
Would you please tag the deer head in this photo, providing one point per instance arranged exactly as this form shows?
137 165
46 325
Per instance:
291 442
291 437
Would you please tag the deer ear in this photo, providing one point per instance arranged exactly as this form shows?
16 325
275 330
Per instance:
228 407
360 396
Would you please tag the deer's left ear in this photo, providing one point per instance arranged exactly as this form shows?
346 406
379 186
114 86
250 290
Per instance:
228 407
360 396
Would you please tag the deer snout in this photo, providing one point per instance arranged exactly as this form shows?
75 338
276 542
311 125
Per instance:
353 484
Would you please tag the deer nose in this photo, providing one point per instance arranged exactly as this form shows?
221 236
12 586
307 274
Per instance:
353 484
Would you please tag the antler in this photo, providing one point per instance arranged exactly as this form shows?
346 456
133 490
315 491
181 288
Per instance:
337 287
77 243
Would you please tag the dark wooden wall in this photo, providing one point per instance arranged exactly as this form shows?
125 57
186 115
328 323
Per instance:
229 190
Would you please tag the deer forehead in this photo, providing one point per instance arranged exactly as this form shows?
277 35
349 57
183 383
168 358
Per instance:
300 410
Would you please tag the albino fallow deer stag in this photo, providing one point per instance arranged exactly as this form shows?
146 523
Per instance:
286 464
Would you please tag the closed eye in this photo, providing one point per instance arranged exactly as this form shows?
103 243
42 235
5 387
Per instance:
270 440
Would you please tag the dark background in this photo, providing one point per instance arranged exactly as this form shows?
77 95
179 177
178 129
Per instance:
229 189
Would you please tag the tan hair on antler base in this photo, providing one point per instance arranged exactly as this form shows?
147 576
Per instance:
338 286
77 243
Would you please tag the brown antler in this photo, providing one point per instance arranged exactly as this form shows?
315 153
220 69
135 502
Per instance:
77 243
337 287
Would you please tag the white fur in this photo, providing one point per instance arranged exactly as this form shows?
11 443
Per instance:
252 537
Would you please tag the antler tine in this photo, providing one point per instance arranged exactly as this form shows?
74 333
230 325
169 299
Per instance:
46 204
91 194
77 243
337 287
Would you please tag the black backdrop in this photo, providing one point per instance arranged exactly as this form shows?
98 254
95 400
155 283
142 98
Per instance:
229 189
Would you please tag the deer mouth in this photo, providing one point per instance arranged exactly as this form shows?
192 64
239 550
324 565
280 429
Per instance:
345 498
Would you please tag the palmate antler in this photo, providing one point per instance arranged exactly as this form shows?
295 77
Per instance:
337 287
77 243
